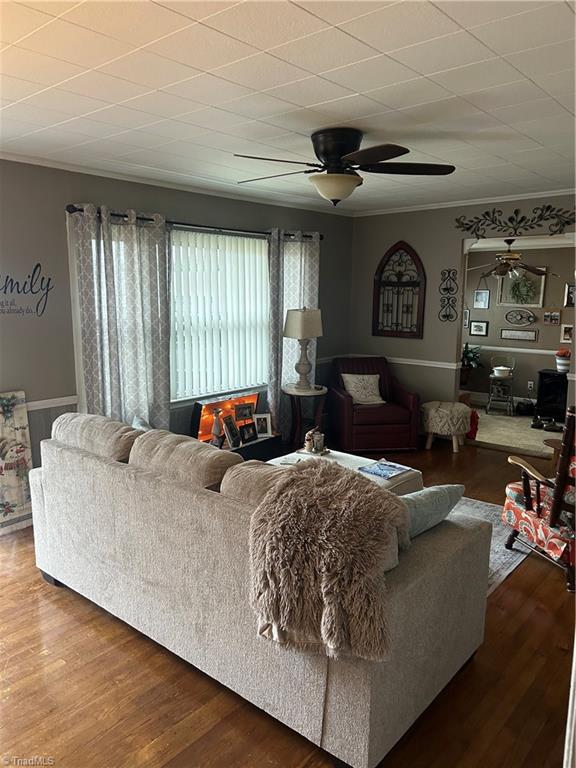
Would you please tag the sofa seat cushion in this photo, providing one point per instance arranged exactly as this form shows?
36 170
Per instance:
95 434
387 413
183 458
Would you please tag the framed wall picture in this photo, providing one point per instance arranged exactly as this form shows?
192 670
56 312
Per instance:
566 333
263 423
15 463
569 291
524 290
515 334
248 432
552 318
231 431
482 298
479 327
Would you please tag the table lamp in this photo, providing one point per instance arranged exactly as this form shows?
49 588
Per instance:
303 324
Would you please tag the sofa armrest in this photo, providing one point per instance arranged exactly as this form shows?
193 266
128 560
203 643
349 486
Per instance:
341 412
403 397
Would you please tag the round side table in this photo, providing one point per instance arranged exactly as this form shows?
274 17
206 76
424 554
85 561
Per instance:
296 395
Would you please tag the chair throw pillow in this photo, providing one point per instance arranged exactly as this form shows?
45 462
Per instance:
364 388
431 506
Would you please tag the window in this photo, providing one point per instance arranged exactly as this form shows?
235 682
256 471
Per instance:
220 304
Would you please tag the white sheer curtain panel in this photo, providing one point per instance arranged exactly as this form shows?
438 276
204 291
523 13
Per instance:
121 306
220 307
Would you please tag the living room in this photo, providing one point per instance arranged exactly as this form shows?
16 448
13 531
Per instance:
173 263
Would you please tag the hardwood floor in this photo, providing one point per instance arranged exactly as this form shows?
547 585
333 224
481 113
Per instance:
80 686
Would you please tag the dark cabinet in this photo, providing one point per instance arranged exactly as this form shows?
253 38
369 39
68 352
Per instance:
552 394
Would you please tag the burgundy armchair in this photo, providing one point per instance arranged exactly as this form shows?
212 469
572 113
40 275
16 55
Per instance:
390 426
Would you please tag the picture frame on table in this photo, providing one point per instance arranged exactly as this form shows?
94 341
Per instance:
481 298
466 318
231 431
263 423
566 333
479 327
569 294
244 412
248 432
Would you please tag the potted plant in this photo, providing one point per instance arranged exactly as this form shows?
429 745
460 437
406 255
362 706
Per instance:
470 359
563 360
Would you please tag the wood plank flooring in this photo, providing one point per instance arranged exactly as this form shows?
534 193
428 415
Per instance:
80 686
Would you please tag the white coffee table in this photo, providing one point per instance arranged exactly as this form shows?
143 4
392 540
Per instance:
406 482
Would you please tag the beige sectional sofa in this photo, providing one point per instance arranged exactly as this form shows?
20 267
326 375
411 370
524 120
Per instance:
146 542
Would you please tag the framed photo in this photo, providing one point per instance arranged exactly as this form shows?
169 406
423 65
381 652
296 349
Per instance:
479 327
569 294
248 432
513 334
263 423
482 299
231 431
244 412
466 316
551 318
566 333
527 290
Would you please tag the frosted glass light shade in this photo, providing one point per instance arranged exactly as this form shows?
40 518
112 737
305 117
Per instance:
335 186
303 324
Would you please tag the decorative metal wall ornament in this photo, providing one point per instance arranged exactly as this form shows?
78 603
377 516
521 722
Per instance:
399 294
520 317
517 224
448 290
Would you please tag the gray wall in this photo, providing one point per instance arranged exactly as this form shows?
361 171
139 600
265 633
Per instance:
440 246
560 262
36 353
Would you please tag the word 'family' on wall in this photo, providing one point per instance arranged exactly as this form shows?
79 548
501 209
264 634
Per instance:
34 284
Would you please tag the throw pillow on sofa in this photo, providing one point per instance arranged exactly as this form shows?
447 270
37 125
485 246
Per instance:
430 506
363 388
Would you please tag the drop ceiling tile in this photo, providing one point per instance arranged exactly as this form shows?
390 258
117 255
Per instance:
63 101
40 116
13 129
211 117
162 104
141 139
74 44
545 59
257 105
338 11
442 53
558 83
17 20
208 89
253 130
201 47
261 72
90 128
479 76
370 74
409 94
174 129
310 91
323 51
528 110
535 159
122 116
471 14
551 24
506 95
441 111
98 85
148 69
548 130
399 25
301 120
265 24
567 99
197 9
52 8
350 107
14 88
504 139
133 22
46 140
17 62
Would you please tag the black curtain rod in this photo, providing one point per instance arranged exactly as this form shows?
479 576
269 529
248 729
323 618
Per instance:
71 208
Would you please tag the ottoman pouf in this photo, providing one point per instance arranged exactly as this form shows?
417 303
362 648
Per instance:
451 419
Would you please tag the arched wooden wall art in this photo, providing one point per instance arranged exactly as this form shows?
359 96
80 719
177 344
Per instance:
399 294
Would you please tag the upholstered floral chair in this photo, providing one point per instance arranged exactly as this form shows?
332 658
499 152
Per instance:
541 511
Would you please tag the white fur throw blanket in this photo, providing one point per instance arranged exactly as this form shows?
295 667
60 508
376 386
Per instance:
316 553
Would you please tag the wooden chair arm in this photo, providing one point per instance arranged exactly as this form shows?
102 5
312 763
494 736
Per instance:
530 470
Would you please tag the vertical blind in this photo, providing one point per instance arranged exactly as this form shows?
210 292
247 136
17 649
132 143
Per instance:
219 306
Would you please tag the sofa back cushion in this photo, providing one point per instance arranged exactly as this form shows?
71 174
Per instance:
250 482
95 434
181 457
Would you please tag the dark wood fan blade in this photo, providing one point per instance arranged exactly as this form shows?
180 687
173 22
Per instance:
533 270
277 175
276 160
375 154
410 169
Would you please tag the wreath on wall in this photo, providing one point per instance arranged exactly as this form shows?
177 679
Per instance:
522 290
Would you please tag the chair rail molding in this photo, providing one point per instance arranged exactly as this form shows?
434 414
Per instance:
54 402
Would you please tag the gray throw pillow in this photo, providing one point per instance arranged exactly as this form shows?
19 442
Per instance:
430 506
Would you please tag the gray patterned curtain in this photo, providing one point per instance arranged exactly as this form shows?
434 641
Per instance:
121 301
294 279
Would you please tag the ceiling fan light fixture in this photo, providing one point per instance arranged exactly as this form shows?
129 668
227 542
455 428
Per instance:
336 186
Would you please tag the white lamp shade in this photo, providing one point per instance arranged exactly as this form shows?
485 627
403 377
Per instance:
335 186
303 324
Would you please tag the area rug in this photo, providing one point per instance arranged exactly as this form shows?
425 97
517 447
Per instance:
502 560
512 434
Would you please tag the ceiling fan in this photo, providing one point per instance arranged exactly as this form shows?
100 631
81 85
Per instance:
509 262
340 156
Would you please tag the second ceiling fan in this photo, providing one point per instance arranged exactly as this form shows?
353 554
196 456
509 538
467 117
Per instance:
340 156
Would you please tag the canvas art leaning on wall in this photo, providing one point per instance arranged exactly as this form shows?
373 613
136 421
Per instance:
15 463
